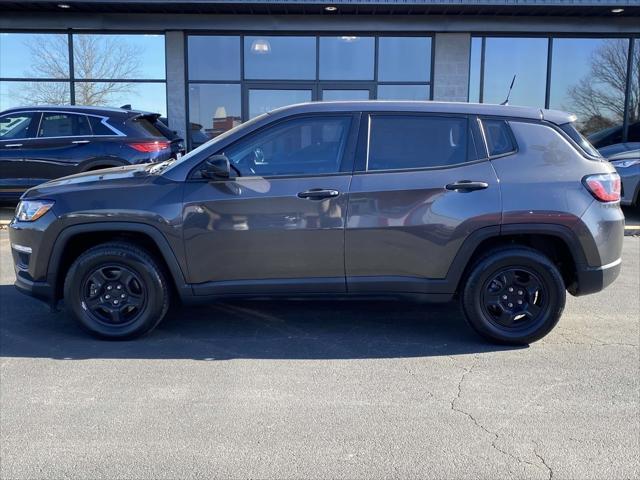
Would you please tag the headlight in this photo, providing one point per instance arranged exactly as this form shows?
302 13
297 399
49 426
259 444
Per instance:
625 163
31 210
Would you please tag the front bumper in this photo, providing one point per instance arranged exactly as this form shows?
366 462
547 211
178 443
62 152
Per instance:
40 290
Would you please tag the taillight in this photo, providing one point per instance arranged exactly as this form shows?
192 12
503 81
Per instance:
147 147
605 187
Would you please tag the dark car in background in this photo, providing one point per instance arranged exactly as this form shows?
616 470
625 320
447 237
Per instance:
627 163
43 143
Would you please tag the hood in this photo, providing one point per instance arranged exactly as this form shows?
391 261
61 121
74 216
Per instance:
107 178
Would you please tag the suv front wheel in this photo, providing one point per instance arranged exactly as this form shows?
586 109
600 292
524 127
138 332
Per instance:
116 291
513 295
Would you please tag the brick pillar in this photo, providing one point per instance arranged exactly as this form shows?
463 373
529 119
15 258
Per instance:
451 67
176 96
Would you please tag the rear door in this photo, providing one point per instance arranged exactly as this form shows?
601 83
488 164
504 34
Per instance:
63 142
422 185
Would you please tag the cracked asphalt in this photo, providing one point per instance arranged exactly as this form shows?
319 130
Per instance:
353 390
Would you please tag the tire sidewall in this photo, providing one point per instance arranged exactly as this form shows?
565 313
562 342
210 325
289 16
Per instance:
156 292
488 267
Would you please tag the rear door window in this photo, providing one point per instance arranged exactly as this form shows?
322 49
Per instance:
58 124
416 141
499 138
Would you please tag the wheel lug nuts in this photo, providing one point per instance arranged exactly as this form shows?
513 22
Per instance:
510 305
504 297
119 287
109 287
107 297
115 302
511 289
519 302
520 292
123 295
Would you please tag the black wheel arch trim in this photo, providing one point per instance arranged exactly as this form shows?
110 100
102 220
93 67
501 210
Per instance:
63 238
474 240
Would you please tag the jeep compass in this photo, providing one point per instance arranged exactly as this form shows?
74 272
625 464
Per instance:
506 208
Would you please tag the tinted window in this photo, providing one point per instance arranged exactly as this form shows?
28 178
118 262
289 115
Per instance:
54 124
263 101
145 127
98 127
499 140
524 57
223 65
416 142
303 146
280 58
404 59
17 125
577 137
346 58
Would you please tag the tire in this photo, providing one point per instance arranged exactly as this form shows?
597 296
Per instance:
141 296
534 290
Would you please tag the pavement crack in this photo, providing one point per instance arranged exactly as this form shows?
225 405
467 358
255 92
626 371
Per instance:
495 435
541 458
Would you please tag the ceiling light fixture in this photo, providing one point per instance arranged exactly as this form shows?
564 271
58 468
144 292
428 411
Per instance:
617 10
349 39
330 8
261 46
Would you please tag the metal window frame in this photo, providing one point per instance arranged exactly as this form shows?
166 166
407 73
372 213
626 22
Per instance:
316 85
634 43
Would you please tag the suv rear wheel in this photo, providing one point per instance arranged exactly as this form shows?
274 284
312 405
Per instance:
116 291
513 295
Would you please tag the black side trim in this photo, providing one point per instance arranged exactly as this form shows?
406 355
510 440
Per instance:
184 290
271 286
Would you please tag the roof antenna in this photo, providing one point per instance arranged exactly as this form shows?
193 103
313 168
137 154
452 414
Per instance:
506 100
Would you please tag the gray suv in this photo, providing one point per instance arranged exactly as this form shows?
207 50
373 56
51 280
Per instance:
505 207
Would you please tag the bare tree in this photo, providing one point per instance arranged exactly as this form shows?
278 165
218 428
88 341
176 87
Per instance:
102 57
599 97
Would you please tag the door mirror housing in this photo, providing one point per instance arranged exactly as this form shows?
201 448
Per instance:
216 167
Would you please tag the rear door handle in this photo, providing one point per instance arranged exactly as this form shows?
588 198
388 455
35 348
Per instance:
466 186
80 142
318 194
13 145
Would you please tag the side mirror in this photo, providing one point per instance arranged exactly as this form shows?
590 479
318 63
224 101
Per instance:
216 166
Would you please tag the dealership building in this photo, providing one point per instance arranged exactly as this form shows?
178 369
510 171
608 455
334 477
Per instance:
210 65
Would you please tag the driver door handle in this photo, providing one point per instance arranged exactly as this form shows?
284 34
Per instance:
318 194
466 186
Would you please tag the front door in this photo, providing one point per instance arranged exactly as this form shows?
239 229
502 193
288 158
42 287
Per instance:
278 225
420 188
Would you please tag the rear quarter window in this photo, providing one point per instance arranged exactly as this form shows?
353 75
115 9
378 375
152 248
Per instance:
499 138
584 144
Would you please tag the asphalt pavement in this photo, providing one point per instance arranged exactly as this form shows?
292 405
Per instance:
353 390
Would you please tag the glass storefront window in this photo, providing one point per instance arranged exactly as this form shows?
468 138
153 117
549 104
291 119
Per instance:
118 56
345 95
262 101
588 78
524 57
404 59
403 92
19 94
347 57
151 97
214 57
634 96
29 55
213 109
280 58
475 64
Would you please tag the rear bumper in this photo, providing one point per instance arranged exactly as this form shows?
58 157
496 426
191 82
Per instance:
595 279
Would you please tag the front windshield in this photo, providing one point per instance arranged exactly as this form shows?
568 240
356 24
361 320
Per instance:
208 144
